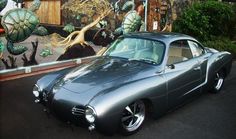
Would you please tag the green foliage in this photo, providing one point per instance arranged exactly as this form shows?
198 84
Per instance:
45 52
41 31
3 4
221 44
233 31
69 28
205 20
2 46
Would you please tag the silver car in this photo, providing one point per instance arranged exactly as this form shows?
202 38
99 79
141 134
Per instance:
139 74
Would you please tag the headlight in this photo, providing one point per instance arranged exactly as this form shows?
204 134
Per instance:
90 114
36 90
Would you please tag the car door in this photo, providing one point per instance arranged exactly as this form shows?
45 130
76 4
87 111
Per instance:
202 56
182 72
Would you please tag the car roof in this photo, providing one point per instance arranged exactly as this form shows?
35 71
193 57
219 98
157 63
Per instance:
159 36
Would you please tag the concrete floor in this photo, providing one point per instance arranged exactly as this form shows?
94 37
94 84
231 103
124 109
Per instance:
210 116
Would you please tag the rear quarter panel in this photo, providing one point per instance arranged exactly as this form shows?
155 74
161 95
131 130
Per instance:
218 61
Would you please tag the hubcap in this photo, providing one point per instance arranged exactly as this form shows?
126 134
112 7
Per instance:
133 116
218 81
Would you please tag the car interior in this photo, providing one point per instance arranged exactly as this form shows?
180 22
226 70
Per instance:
179 51
150 50
148 53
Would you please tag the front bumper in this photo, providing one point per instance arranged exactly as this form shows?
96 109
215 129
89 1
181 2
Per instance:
63 107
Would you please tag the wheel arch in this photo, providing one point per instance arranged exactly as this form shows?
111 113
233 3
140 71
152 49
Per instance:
148 105
227 68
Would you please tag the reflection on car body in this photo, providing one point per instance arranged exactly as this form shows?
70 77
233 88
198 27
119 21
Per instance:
140 73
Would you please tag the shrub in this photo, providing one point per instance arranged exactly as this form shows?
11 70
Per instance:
205 20
221 44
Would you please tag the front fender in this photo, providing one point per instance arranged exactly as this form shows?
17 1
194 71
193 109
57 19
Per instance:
110 103
47 81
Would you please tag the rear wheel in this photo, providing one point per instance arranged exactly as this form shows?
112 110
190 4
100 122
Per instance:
218 82
133 117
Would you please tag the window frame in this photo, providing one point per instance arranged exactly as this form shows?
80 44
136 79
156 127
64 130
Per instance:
142 38
169 51
199 46
193 57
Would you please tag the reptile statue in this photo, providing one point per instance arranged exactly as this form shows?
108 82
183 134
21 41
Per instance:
18 25
132 20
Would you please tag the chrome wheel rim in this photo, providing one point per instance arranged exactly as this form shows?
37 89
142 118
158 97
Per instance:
133 116
218 81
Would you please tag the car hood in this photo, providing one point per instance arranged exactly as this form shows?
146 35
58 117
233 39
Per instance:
103 71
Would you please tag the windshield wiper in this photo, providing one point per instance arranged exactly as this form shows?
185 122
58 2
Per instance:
150 61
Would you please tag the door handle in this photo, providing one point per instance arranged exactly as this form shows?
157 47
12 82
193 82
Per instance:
197 68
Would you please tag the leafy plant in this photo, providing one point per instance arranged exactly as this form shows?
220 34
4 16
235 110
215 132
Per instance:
221 44
69 28
205 20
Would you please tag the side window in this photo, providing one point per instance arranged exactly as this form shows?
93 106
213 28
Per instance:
179 51
196 49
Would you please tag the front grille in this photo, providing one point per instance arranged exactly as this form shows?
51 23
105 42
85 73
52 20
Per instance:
77 110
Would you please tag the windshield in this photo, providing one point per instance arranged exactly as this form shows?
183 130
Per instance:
148 51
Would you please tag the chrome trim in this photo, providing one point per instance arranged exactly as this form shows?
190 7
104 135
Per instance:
91 127
133 116
197 68
219 80
40 90
77 111
36 100
205 82
202 84
94 114
92 109
36 90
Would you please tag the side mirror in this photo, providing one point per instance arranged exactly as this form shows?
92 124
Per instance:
171 66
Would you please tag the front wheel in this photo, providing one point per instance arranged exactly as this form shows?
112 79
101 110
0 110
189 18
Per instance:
218 82
132 117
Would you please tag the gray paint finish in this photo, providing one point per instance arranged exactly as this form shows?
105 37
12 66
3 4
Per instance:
109 84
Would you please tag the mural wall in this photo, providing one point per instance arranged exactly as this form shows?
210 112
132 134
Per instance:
49 11
113 20
162 11
23 42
